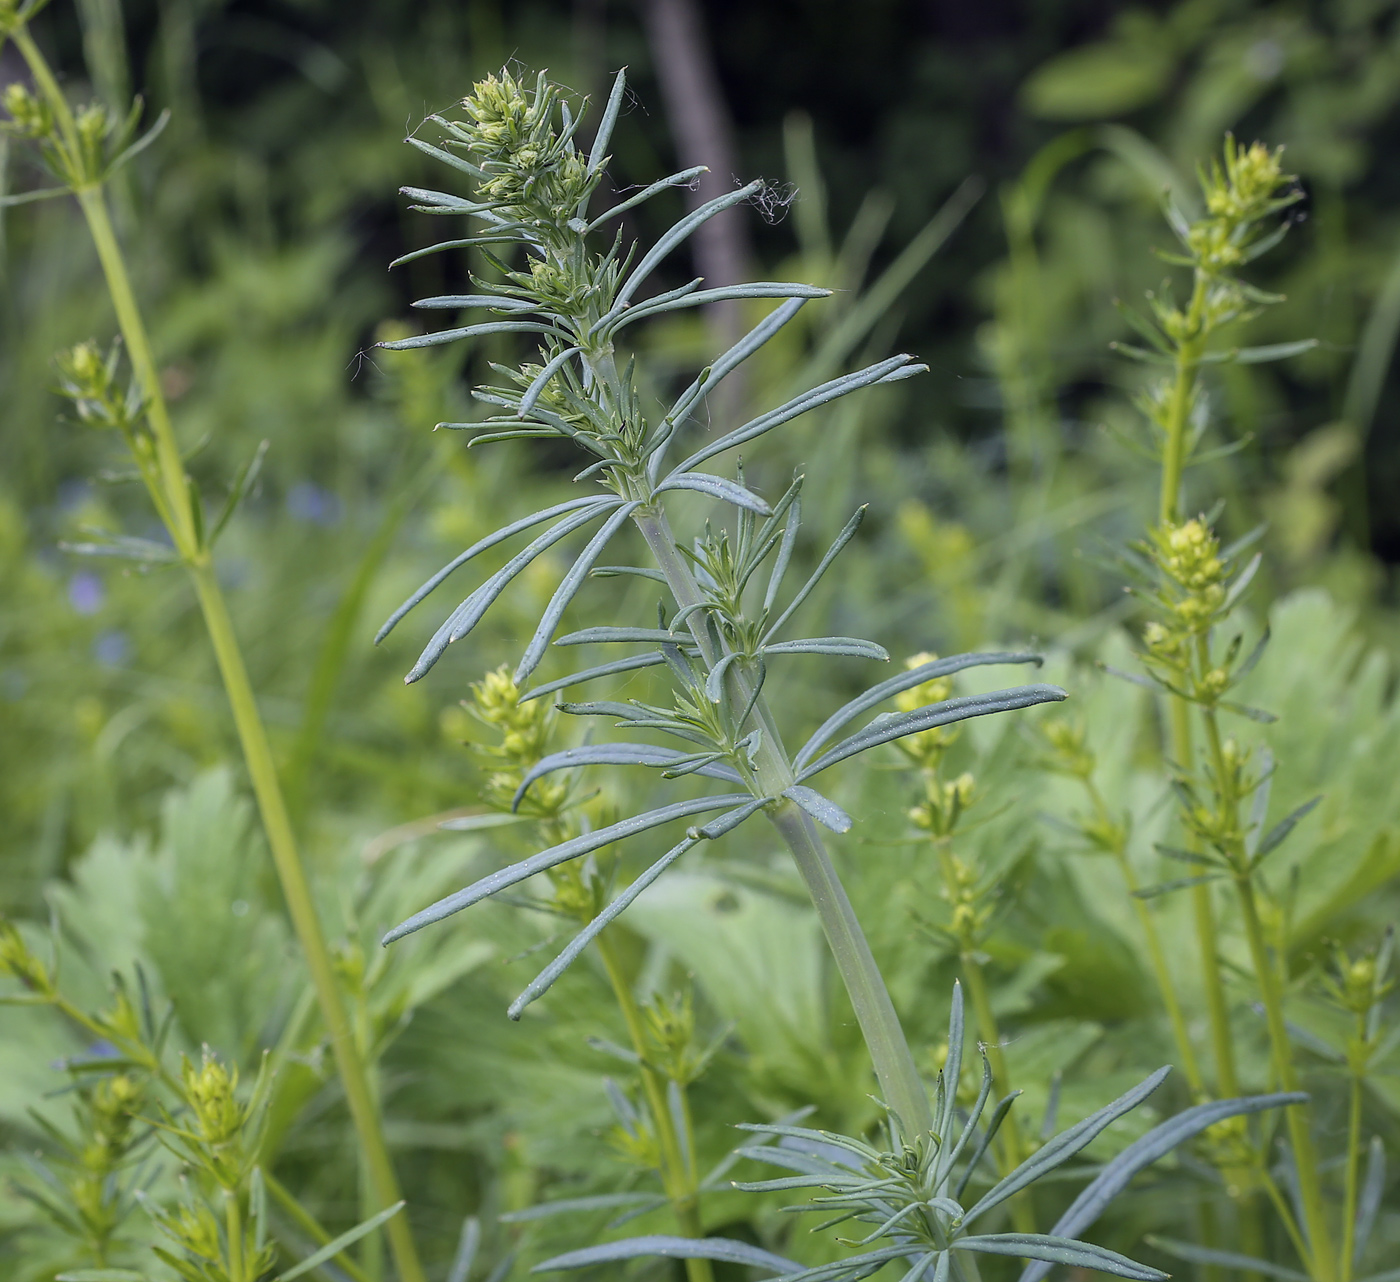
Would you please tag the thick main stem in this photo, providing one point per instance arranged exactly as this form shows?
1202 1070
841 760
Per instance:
902 1087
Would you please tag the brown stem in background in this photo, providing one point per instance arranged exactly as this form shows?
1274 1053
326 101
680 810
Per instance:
703 135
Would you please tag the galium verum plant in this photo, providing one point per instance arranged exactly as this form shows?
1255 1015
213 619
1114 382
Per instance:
578 292
559 279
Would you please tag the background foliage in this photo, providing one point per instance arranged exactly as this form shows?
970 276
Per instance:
260 225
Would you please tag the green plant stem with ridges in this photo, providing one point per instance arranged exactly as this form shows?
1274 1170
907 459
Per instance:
1299 1134
901 1086
677 1178
1169 511
1268 975
1346 1261
1155 953
176 503
1013 1148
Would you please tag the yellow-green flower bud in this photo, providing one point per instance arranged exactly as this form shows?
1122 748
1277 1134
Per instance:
30 116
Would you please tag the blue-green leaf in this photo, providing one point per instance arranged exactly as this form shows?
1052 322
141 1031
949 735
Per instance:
1279 832
825 811
733 358
847 533
599 636
889 728
808 400
447 158
607 121
467 615
850 647
1041 1246
552 367
471 331
555 855
671 1248
892 686
467 1246
463 302
1139 1155
718 488
653 257
1065 1145
334 1248
704 297
857 1265
649 660
490 541
545 979
465 243
682 179
1372 1188
567 589
613 754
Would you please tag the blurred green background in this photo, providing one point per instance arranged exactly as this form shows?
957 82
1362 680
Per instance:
260 226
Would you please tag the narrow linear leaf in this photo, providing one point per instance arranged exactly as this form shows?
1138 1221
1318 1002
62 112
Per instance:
825 811
850 647
467 1246
907 680
562 853
462 302
632 664
1065 1145
567 589
952 1065
854 1265
671 1248
467 615
809 400
717 487
1273 351
599 636
536 388
335 1247
682 179
545 979
733 358
652 259
447 158
704 297
1276 835
101 1275
469 331
1369 1203
848 532
1142 1153
438 248
611 754
888 729
1177 883
1041 1246
608 121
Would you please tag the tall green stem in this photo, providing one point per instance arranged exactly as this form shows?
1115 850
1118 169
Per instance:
676 1176
172 494
257 753
1155 953
902 1088
1169 510
1299 1134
